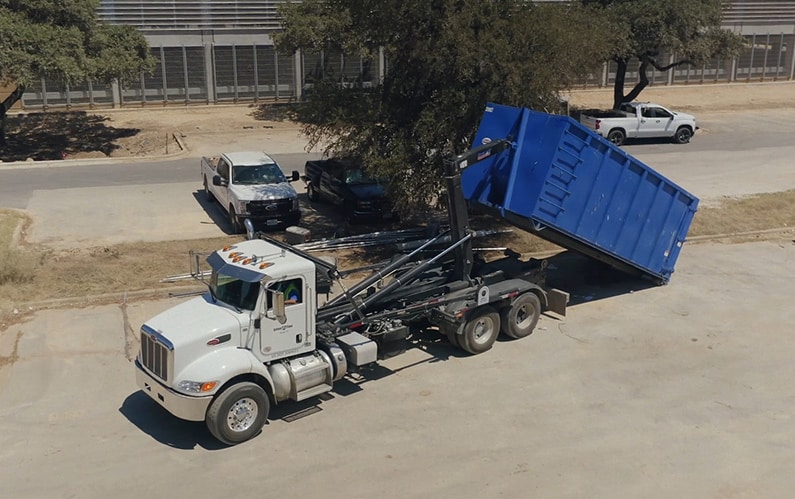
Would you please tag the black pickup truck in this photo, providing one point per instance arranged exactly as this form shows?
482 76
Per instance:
343 182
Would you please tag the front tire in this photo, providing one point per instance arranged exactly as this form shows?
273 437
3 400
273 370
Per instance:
683 135
480 331
238 413
207 194
617 137
311 193
519 320
234 221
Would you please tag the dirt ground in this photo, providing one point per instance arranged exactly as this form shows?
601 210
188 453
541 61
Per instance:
157 130
156 124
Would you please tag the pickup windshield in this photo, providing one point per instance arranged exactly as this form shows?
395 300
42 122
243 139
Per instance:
268 173
240 294
357 176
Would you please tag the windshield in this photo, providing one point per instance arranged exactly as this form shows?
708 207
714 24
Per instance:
269 173
239 294
357 176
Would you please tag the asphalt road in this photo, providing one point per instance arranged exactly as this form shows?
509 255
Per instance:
89 203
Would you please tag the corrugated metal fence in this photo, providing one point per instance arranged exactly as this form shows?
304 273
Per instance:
216 51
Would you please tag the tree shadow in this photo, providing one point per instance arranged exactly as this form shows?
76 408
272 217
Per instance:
55 135
274 112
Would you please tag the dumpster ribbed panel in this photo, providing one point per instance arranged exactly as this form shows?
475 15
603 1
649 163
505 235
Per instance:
572 187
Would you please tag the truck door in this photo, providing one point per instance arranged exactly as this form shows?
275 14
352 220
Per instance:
280 339
221 192
333 183
654 122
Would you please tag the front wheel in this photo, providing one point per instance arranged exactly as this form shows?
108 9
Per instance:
238 413
311 193
683 135
234 221
617 137
480 331
207 194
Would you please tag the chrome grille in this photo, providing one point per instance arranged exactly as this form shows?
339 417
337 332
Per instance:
154 354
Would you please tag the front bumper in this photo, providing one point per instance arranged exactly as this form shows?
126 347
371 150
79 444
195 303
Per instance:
291 218
181 406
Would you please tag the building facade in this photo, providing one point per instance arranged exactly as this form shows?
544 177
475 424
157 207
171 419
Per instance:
220 51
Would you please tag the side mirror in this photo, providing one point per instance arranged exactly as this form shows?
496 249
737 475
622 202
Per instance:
278 307
295 176
217 180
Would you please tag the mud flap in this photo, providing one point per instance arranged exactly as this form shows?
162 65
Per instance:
557 301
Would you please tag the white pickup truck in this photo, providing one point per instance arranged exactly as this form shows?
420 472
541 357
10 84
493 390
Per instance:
640 120
251 185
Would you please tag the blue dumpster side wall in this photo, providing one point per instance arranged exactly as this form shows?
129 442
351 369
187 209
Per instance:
568 185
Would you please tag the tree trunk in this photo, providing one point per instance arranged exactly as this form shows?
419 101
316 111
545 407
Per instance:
9 101
618 85
643 83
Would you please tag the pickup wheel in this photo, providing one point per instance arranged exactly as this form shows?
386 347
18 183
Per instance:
234 221
238 413
519 320
207 194
683 135
311 193
617 137
350 213
480 331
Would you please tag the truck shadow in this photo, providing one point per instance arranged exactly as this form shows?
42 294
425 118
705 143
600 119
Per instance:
213 211
169 430
586 279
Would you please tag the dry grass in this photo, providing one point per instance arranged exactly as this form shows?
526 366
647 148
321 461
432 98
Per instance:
752 213
30 275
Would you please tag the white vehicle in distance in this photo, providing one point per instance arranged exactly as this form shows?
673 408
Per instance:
640 120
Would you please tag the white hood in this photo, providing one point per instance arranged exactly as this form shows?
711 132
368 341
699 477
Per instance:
197 319
264 192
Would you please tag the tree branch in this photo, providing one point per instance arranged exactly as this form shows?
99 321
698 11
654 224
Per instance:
12 99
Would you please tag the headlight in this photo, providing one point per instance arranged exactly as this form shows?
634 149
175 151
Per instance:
242 207
196 386
295 204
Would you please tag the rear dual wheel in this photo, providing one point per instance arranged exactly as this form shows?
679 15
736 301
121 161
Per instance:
520 318
480 331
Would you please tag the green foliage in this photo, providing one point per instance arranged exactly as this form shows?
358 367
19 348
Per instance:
644 29
64 40
445 60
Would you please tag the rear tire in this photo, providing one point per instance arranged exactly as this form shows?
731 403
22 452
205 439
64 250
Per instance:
519 320
617 137
683 135
238 413
480 331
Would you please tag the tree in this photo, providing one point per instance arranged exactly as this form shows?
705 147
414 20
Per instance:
644 29
63 40
445 60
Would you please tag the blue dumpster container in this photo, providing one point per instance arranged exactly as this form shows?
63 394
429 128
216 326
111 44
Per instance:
572 187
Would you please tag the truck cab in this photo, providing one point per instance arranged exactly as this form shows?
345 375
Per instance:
254 330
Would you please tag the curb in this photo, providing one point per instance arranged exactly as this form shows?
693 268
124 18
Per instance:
56 163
